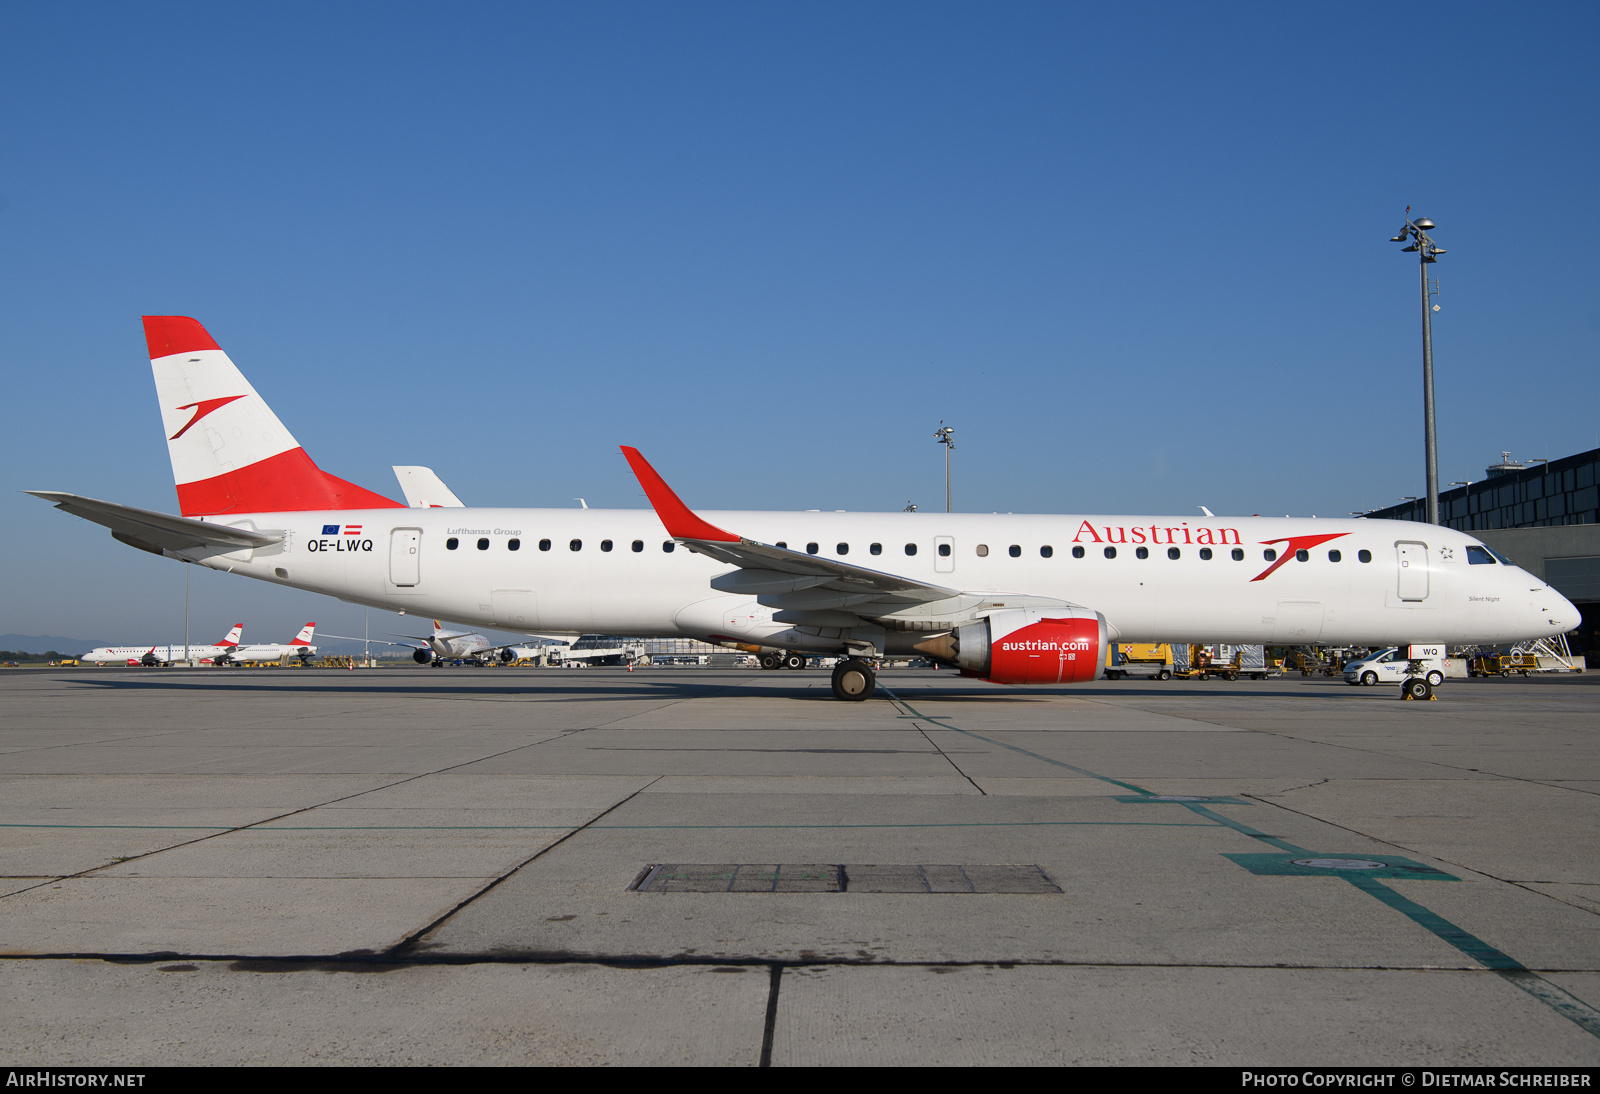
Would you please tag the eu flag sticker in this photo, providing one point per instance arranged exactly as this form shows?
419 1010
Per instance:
330 529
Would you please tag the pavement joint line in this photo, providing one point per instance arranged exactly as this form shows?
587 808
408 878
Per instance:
770 1026
411 939
213 834
1557 999
599 827
424 960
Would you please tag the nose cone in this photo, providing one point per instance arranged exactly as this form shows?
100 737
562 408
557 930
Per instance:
1564 614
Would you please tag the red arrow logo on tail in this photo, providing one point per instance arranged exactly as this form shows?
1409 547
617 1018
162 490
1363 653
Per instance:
201 409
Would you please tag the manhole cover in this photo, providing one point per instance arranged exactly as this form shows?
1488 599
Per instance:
744 877
1341 863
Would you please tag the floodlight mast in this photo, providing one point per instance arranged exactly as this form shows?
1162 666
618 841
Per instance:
1427 252
943 436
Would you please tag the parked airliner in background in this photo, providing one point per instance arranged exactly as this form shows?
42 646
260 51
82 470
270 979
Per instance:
1014 599
300 646
207 653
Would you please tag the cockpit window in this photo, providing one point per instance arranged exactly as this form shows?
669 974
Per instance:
1503 559
1479 556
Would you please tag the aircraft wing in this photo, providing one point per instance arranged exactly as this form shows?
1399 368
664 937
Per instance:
765 569
156 532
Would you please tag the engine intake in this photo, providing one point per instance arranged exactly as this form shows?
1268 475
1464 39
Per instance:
1026 646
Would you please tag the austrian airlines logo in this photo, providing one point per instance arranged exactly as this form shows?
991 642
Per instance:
1291 545
201 409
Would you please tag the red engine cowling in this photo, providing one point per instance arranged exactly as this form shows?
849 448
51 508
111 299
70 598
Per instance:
1026 646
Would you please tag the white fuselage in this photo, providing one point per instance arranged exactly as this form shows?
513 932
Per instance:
1417 584
116 655
269 651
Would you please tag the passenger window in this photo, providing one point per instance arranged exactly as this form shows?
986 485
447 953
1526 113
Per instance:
811 548
876 549
1173 552
1046 552
843 548
544 545
1141 552
1111 552
1014 551
452 543
1077 552
1205 554
1302 556
911 548
575 545
513 545
1477 556
782 544
1334 556
668 547
944 550
1238 554
483 545
1270 555
1364 556
983 550
605 545
638 545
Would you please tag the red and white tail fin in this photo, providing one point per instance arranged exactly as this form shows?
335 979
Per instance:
304 637
230 453
232 637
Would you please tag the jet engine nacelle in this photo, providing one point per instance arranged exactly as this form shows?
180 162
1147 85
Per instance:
1026 646
423 657
518 653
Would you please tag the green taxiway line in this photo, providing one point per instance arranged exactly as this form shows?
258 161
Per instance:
1558 999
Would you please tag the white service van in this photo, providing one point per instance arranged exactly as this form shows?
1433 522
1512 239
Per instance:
1390 666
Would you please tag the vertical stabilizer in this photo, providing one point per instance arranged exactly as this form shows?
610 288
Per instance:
232 637
229 451
304 637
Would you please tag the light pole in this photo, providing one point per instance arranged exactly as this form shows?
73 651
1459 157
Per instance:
942 435
1427 252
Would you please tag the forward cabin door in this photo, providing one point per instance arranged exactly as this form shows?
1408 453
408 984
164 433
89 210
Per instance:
405 557
1413 559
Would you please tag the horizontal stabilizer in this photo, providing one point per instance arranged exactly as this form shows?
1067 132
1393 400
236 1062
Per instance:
156 532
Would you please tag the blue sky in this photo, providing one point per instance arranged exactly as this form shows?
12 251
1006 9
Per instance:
1136 254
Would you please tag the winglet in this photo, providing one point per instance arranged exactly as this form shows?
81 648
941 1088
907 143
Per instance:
679 518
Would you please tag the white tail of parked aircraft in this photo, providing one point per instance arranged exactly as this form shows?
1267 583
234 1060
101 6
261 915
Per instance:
1008 598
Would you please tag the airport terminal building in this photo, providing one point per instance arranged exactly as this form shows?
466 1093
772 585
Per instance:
1543 515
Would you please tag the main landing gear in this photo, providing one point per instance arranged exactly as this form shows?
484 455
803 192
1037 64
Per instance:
789 660
854 680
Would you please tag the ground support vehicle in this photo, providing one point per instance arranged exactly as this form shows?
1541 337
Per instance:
1151 661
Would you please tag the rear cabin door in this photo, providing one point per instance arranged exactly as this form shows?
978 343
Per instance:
1413 559
405 562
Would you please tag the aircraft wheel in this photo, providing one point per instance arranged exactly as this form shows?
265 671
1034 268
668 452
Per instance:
794 660
854 680
771 661
1416 688
1435 679
437 664
1368 679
